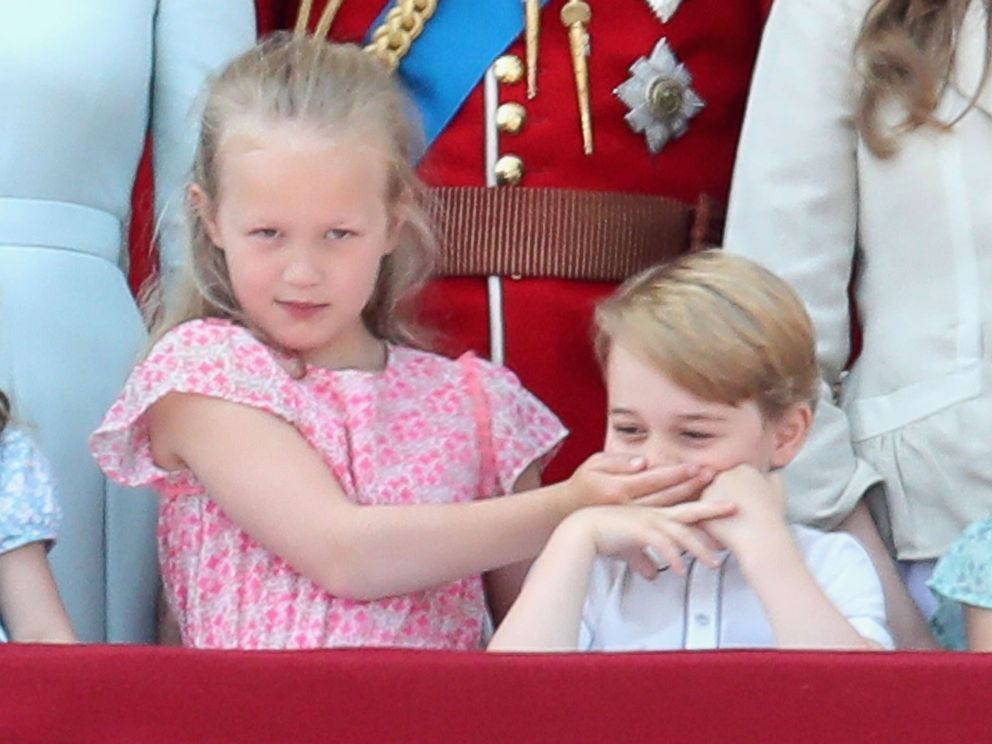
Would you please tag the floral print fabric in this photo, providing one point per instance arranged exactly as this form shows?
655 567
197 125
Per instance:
410 434
963 574
29 510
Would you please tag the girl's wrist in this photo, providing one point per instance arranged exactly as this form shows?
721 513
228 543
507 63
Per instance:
561 500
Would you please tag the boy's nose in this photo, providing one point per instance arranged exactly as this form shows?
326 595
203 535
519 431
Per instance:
661 456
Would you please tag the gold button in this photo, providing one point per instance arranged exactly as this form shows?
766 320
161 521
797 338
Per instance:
509 170
510 117
508 69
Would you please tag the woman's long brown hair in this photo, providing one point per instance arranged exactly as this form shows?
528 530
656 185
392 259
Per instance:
905 53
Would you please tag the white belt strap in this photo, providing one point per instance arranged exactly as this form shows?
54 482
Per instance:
54 224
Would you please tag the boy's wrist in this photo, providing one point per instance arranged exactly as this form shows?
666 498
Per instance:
768 551
575 534
578 525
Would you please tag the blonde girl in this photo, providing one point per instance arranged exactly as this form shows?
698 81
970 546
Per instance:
324 482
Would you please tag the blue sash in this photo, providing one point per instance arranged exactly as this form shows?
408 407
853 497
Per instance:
452 55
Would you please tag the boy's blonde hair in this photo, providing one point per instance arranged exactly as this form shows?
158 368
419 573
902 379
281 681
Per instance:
333 89
718 325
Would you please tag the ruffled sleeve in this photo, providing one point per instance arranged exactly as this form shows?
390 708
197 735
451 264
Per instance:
522 430
29 509
206 357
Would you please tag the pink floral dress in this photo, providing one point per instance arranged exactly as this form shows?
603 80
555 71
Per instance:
424 430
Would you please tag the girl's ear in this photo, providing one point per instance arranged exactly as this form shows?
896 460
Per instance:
791 430
204 207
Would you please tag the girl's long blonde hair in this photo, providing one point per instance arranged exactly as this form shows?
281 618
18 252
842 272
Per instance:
335 89
905 53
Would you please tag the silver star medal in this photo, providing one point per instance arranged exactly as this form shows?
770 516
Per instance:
660 97
664 9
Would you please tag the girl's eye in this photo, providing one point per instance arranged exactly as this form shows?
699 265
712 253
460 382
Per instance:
265 232
339 233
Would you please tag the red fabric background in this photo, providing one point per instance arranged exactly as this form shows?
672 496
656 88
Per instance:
142 694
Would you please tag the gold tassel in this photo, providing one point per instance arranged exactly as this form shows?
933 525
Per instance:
575 15
302 18
533 34
327 18
391 40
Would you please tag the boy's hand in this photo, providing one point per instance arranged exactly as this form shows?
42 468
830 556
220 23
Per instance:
760 502
669 531
620 479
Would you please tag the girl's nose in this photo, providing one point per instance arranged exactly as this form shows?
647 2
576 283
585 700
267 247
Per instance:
301 270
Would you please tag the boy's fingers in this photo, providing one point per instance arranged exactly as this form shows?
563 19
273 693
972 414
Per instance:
705 538
641 562
668 488
697 511
663 553
693 541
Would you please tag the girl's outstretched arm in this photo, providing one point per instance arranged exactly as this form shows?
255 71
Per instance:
272 484
29 599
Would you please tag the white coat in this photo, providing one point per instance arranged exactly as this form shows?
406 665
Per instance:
914 235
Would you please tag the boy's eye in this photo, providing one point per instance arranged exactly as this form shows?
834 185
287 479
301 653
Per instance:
339 233
264 232
695 435
628 430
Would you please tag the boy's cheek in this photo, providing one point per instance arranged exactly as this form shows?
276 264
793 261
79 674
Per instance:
720 460
613 445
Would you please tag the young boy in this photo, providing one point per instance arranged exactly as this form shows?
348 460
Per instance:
709 360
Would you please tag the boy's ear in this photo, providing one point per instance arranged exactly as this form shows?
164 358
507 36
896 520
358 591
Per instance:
205 209
791 431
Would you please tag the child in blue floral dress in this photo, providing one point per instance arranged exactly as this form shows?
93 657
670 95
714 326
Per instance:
31 609
962 580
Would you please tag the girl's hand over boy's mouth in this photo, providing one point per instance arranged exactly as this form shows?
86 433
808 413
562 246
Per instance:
609 478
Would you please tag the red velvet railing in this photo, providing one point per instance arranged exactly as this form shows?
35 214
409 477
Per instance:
143 694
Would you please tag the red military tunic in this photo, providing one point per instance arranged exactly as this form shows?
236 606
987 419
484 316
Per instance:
546 321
